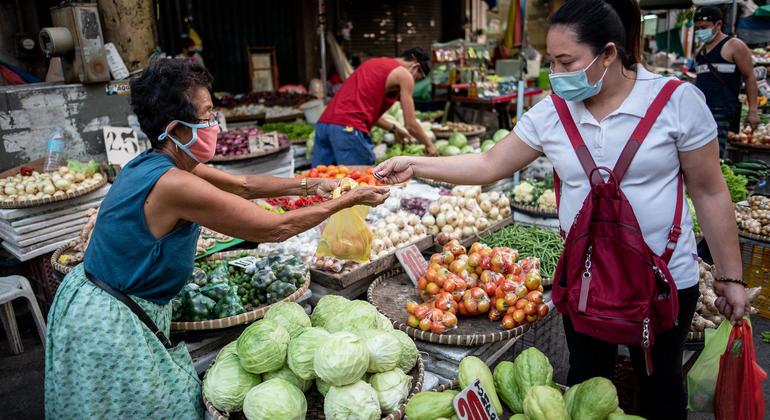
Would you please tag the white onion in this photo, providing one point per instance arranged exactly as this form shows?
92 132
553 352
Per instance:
482 223
503 202
405 237
391 219
400 222
414 220
451 217
434 230
483 196
420 230
387 243
446 208
486 206
434 208
409 229
505 211
447 229
428 220
494 196
440 220
453 201
444 199
470 221
494 212
457 191
468 231
391 227
470 194
395 237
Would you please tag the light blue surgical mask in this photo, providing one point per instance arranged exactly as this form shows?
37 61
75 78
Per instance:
573 86
201 151
704 35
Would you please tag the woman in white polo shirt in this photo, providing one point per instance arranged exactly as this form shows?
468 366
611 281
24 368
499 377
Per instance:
594 51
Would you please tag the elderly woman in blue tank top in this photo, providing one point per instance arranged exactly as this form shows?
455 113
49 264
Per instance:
103 359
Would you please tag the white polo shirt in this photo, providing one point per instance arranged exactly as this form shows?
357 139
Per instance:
651 181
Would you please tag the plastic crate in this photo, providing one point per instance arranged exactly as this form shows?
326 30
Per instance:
756 271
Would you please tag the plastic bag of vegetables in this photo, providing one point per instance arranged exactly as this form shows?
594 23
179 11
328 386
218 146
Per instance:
219 274
197 307
357 400
216 291
229 305
346 235
226 383
275 399
262 346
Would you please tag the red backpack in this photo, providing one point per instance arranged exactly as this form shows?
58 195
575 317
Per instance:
608 281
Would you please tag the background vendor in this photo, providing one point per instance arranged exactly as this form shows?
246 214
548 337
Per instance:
342 132
721 63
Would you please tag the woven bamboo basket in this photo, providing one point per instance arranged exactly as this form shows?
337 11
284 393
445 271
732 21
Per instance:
62 268
41 201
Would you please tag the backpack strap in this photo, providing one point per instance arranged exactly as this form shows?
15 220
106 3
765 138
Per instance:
643 128
581 150
676 228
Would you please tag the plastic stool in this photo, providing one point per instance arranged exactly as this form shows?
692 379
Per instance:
13 287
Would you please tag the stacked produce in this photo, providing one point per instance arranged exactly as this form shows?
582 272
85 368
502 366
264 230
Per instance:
399 150
265 98
706 313
302 245
218 289
543 244
485 280
243 141
74 256
457 127
363 177
299 130
358 362
536 193
293 203
457 144
256 109
465 213
754 218
527 389
752 171
748 136
30 185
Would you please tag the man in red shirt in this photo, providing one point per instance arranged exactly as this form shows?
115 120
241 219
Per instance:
342 132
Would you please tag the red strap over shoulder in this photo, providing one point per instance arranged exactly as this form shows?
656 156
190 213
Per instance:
583 154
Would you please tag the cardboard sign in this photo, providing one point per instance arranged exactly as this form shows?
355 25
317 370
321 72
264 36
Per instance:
413 262
473 403
244 262
122 145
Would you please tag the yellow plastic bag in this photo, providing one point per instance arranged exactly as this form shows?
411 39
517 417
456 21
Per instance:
346 235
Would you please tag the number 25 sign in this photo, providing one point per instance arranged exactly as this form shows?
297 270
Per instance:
472 403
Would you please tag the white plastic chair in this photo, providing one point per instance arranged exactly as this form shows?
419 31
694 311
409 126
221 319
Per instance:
13 287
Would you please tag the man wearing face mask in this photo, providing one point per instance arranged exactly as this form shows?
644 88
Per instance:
722 63
342 132
109 323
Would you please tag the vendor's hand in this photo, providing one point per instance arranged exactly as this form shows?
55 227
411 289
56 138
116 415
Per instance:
369 196
732 301
431 150
395 170
753 118
401 134
325 188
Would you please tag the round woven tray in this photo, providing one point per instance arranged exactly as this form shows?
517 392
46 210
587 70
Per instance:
61 268
244 318
748 146
40 201
480 130
391 290
535 211
752 236
315 401
220 158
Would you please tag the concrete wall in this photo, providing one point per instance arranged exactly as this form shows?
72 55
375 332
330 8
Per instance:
29 113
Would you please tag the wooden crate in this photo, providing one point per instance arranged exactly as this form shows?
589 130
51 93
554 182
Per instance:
339 281
756 271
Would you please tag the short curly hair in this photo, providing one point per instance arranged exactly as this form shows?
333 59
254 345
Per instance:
162 94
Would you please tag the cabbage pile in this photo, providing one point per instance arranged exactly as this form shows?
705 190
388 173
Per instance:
351 351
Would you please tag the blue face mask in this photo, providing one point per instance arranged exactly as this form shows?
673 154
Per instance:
573 86
704 35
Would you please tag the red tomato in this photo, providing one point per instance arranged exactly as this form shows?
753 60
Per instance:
422 311
483 306
450 320
450 285
520 303
432 288
476 293
519 316
457 295
421 283
500 305
530 308
507 322
535 297
471 306
437 327
474 260
411 306
511 298
507 286
521 290
542 310
533 281
425 324
490 288
531 318
461 308
494 315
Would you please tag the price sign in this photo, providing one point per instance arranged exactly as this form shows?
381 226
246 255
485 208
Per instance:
122 145
244 262
473 403
413 262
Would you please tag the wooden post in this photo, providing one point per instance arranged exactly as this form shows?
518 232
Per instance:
10 327
130 25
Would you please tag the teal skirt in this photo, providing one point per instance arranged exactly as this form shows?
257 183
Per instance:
101 361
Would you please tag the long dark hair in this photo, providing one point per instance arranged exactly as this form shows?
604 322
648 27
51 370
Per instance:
599 22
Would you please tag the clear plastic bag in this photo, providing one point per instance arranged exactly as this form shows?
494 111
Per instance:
346 235
702 377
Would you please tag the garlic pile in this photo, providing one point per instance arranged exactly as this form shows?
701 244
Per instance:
465 213
396 231
46 185
706 313
754 218
303 246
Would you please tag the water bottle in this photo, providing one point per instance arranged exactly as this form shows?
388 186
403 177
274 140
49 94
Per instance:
55 157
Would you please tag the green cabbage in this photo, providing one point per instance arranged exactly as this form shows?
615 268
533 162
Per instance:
327 307
290 316
302 352
545 403
262 346
409 354
384 350
356 315
322 386
593 399
342 359
226 383
383 323
354 401
392 388
500 134
287 375
275 399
